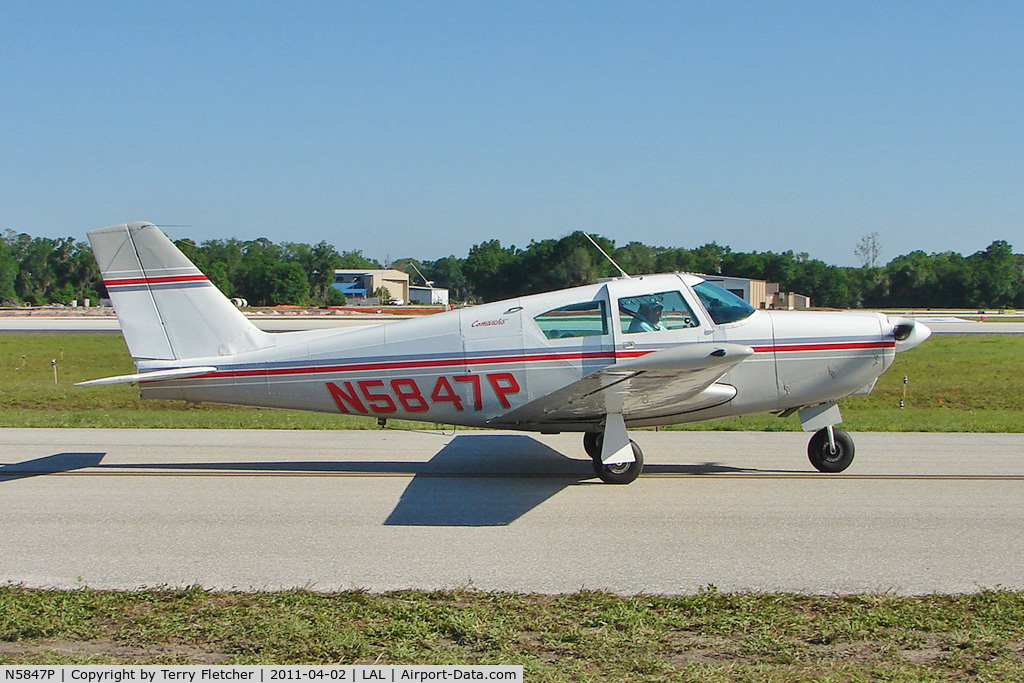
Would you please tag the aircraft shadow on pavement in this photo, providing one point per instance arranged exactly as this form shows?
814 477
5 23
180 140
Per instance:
51 464
501 478
475 480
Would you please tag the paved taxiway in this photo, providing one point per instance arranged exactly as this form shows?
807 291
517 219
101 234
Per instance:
383 510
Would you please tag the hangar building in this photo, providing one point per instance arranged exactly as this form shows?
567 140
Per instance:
363 283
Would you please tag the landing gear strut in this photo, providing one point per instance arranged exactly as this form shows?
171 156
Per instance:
830 450
622 473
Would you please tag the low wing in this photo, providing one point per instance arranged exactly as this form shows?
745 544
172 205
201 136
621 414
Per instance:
672 381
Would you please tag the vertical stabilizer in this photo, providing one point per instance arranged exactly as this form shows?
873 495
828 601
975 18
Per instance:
166 307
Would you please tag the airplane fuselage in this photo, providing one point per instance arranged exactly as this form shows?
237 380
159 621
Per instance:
474 365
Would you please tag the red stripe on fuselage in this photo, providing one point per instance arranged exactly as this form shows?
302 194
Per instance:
840 346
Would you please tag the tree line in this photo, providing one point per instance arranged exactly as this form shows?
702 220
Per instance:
40 270
993 278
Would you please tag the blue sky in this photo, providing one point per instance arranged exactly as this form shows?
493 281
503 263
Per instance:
422 128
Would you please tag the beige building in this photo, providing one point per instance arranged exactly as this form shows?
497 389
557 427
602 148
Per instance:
363 283
789 301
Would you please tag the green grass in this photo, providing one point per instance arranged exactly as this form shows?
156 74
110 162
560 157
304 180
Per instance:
956 383
584 636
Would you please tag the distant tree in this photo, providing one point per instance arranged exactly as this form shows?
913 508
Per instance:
336 297
709 258
826 285
49 270
266 279
354 260
874 283
489 267
912 280
675 259
35 275
274 283
954 287
567 262
996 277
637 258
8 272
319 262
869 250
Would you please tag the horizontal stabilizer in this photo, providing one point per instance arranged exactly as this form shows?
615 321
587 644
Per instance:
176 373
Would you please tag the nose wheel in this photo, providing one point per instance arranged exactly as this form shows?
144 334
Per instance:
830 453
621 473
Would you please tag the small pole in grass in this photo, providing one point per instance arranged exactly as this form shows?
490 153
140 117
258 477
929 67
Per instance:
903 401
53 364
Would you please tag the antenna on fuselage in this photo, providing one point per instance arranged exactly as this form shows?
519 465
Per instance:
605 254
428 283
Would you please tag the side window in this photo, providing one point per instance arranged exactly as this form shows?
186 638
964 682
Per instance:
585 319
654 312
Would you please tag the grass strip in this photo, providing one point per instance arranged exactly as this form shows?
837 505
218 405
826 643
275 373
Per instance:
586 636
955 383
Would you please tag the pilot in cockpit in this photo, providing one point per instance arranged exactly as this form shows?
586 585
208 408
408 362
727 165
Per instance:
647 319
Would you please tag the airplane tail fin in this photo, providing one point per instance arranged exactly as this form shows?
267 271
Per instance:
166 307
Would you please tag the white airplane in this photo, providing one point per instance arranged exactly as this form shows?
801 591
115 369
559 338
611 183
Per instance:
626 353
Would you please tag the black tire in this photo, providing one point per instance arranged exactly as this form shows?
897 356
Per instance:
624 473
822 457
592 442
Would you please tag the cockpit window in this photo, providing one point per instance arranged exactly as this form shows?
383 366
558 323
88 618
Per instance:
723 306
654 312
585 319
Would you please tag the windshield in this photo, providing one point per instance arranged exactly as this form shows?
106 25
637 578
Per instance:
723 306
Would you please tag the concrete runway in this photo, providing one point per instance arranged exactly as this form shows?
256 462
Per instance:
380 510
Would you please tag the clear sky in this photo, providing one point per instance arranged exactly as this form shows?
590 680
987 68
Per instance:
422 128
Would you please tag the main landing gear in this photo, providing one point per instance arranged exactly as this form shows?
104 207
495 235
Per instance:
621 473
830 450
